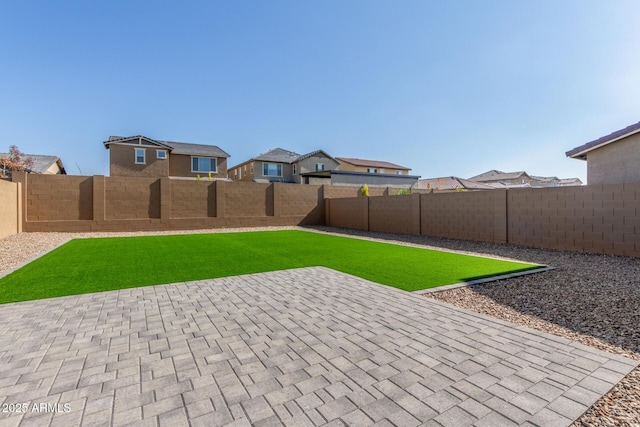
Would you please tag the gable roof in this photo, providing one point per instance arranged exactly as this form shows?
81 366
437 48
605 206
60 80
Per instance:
581 151
451 183
496 175
278 155
371 163
185 148
313 153
41 162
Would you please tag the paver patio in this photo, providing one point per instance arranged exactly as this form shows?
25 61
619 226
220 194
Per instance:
298 347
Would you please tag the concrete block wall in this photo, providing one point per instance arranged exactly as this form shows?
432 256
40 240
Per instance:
248 199
594 218
59 198
480 216
299 200
193 199
10 208
131 198
395 214
348 212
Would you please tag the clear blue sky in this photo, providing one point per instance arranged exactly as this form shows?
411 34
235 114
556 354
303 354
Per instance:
443 87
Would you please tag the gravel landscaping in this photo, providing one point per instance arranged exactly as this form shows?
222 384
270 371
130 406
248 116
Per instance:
593 299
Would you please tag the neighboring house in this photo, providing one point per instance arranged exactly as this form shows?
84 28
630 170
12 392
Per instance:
48 165
340 177
371 166
521 179
280 165
145 157
501 179
451 183
612 159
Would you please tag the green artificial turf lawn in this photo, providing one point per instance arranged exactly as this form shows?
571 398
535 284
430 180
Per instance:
102 264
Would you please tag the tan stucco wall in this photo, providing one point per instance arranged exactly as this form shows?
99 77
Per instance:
247 173
180 165
309 165
8 208
616 163
122 162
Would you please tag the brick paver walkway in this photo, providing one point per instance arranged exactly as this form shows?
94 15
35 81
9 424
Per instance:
298 347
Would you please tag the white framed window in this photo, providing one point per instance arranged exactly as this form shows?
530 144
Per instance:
319 167
161 154
295 169
271 169
381 171
204 164
398 172
140 156
240 174
251 168
372 170
245 168
235 172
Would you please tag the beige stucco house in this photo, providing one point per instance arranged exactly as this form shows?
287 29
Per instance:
145 157
371 166
279 165
612 159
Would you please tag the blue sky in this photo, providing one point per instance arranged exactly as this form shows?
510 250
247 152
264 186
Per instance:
445 88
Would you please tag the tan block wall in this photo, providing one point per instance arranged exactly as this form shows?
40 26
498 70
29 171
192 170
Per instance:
342 191
395 214
127 198
122 162
479 216
349 212
616 163
59 197
180 165
248 199
594 218
193 199
9 210
305 200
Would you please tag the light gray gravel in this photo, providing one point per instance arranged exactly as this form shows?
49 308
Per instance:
593 299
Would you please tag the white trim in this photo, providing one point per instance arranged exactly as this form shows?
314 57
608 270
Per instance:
144 156
161 157
137 145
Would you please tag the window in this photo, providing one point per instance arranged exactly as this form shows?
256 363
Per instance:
251 168
140 158
245 168
295 171
161 154
381 171
271 169
203 164
398 172
240 174
371 170
319 167
235 172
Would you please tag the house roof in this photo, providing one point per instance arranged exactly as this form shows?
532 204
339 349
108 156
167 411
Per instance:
451 183
185 148
371 163
278 155
581 151
41 162
313 153
496 175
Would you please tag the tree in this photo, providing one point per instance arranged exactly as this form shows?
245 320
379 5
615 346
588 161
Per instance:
15 161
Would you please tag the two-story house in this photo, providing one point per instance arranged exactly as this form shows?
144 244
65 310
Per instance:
279 165
145 157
